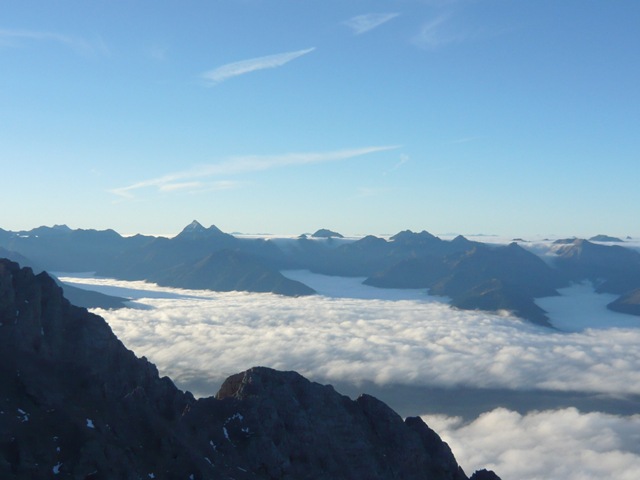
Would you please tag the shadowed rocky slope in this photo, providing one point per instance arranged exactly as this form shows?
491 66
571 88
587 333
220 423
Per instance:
77 404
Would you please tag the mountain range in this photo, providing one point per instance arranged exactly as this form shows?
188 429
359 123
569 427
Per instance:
472 275
77 404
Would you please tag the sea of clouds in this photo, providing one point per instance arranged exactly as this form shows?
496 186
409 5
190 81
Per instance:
358 334
563 444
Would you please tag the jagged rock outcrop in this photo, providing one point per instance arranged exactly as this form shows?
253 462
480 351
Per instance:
299 428
77 404
77 296
485 475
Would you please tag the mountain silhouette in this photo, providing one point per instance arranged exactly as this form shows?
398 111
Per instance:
471 274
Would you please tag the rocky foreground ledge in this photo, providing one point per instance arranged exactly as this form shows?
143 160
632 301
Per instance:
75 403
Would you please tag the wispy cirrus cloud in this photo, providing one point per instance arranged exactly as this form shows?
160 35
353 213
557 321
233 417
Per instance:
364 192
17 37
438 33
404 158
198 187
191 178
364 23
447 29
230 70
157 53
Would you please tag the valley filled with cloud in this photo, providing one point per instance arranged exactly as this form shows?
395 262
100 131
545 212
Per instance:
362 336
504 128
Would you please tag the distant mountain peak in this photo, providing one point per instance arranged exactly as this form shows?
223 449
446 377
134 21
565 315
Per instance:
461 239
214 229
325 233
410 236
194 226
403 233
195 230
566 241
605 238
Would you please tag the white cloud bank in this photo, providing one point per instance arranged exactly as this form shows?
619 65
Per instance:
230 70
556 444
206 337
198 338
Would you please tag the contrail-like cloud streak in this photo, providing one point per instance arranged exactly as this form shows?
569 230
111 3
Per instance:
230 70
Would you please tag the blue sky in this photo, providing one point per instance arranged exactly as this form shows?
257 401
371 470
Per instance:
504 117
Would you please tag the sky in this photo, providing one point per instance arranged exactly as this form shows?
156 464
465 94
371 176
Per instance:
405 340
363 116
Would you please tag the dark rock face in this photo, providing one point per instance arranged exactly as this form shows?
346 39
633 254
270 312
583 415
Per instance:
77 404
77 296
70 388
484 475
297 429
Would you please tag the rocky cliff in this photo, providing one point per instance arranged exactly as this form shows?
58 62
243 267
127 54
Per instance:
77 404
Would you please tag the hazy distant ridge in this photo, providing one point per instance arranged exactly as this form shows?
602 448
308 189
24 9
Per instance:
473 275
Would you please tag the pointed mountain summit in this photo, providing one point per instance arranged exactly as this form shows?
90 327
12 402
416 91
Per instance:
194 226
195 230
460 240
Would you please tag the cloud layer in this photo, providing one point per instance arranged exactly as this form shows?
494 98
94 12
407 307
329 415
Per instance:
202 338
557 444
230 70
352 335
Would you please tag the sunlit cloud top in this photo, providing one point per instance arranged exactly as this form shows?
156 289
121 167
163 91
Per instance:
410 342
